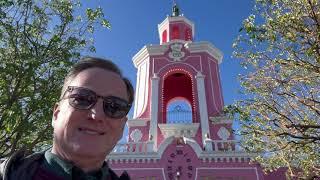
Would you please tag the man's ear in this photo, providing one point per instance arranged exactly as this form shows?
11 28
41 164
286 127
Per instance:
56 110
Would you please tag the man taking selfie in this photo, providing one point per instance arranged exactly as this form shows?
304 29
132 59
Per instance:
88 121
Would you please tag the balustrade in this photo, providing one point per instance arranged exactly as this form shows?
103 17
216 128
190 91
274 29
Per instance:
146 147
221 145
133 147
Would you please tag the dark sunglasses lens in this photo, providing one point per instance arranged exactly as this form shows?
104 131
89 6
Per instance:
115 107
82 98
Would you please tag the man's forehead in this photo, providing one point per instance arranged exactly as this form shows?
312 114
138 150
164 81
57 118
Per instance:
100 80
97 70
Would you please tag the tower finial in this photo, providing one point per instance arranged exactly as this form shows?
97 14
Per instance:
175 9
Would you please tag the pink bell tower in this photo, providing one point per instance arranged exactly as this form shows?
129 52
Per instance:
178 69
178 130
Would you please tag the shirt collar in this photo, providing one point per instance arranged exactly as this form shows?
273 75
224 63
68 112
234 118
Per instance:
68 170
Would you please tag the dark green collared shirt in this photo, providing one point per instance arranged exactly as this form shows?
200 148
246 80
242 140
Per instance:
68 171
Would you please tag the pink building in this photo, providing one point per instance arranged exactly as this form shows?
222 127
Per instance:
178 130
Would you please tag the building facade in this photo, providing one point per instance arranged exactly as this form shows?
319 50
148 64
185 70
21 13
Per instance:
178 130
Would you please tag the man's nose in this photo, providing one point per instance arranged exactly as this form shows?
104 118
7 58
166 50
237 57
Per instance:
96 112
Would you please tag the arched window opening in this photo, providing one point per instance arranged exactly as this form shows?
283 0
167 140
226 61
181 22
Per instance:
188 36
164 36
175 32
179 112
177 86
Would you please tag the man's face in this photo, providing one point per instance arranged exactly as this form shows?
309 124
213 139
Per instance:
89 133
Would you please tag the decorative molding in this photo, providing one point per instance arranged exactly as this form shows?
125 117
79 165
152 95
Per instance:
153 130
198 47
203 108
181 41
231 156
176 53
164 144
129 158
139 153
194 145
212 86
136 135
154 157
179 130
147 51
173 65
142 89
219 81
137 122
223 133
220 120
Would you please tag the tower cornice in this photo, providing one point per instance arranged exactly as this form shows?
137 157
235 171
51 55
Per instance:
146 51
204 46
192 47
137 122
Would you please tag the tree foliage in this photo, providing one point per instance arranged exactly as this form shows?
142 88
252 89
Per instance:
279 47
39 41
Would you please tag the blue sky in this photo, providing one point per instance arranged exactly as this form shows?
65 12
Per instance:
134 24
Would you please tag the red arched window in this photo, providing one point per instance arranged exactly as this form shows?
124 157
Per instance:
188 35
175 32
164 36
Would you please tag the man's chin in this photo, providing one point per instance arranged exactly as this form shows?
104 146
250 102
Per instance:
88 151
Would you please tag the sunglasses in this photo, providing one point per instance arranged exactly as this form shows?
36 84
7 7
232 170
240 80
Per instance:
84 99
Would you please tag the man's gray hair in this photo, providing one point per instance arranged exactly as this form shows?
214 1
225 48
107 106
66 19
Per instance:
94 62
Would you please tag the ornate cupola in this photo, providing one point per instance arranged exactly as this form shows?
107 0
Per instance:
176 27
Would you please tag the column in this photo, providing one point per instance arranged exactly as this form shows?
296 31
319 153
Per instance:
154 110
203 109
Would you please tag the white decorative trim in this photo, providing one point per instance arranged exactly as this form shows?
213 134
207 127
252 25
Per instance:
136 135
223 133
137 122
219 82
202 106
220 120
118 158
164 144
147 51
175 41
142 89
212 91
179 130
175 63
220 87
123 152
153 131
176 53
195 47
194 145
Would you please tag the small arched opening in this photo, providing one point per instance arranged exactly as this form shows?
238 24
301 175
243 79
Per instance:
179 111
